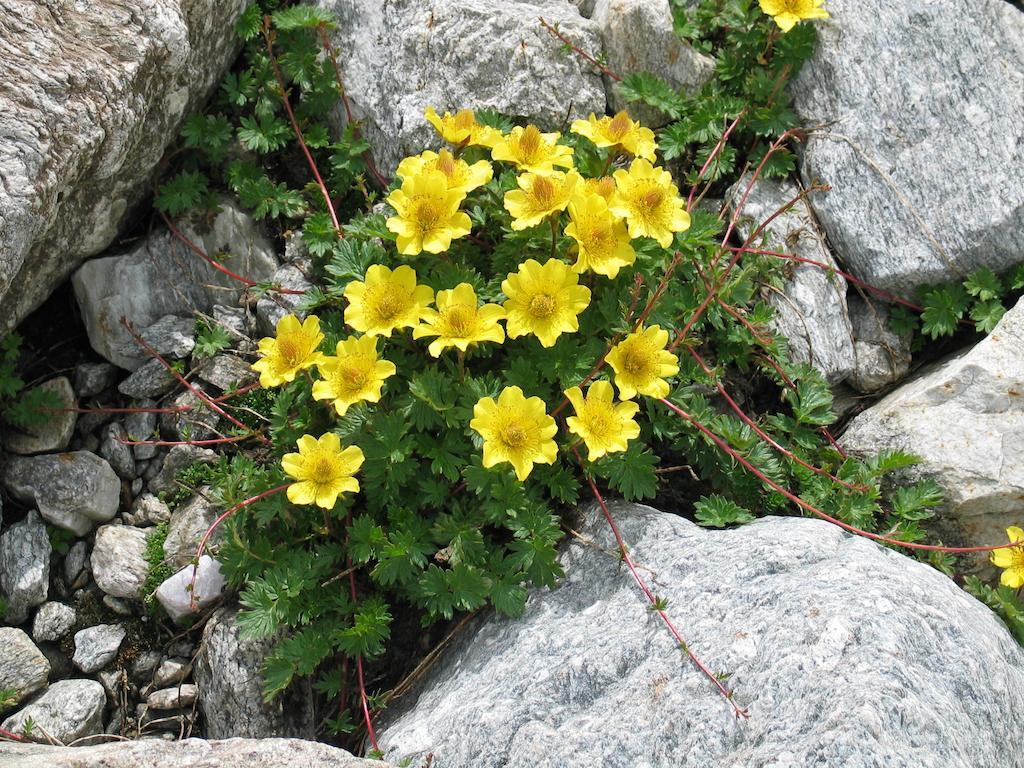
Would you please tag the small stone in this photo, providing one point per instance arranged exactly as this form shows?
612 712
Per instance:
75 562
119 562
55 433
147 510
52 622
272 306
137 485
171 336
113 681
143 666
179 457
177 594
151 379
173 698
94 378
71 490
234 319
118 605
175 721
189 523
118 455
171 671
23 667
141 425
24 567
95 647
226 372
68 710
880 356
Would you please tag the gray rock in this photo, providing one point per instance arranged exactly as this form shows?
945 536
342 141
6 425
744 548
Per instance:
638 36
56 432
142 426
90 96
964 418
399 58
163 277
24 567
273 305
71 490
95 647
196 422
842 652
93 378
179 457
188 524
147 510
234 319
52 622
119 562
189 753
880 356
68 710
120 605
171 671
23 667
144 665
192 589
116 452
170 336
76 563
810 309
916 143
226 372
151 379
60 664
228 673
173 698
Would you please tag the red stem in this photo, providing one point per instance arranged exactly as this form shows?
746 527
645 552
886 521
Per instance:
363 700
12 736
714 153
651 598
212 441
295 127
579 51
723 445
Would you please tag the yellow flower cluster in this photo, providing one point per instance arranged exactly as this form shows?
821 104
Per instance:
542 300
788 13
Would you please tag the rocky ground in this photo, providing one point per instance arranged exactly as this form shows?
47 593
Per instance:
842 652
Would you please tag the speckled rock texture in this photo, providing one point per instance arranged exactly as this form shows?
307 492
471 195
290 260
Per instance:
227 670
964 418
67 710
400 57
915 116
190 753
90 95
24 567
23 667
844 654
810 307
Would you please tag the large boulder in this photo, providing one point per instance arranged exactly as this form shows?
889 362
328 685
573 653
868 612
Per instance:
190 753
161 276
914 110
23 667
90 96
67 710
24 567
964 418
398 58
842 652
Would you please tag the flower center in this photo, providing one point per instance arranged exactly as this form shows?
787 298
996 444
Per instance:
603 186
636 361
792 6
514 435
426 213
543 191
529 143
290 350
460 320
652 198
619 126
542 306
321 469
389 307
598 237
598 420
353 376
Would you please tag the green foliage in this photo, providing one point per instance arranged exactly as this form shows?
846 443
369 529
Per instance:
159 571
21 409
211 338
1006 602
8 699
718 512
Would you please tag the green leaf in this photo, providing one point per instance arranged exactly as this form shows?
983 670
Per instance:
987 314
302 17
631 472
984 284
508 597
943 309
812 402
653 91
371 626
718 512
181 193
365 538
914 502
250 22
264 134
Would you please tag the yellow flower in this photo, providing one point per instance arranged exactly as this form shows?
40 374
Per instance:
323 470
516 430
649 202
787 13
293 350
641 363
462 129
386 301
604 426
461 176
1011 559
428 214
619 131
533 151
603 186
458 321
355 374
602 243
539 197
544 300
